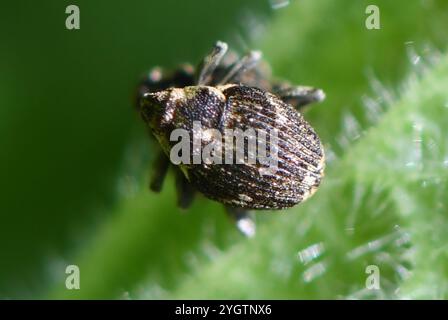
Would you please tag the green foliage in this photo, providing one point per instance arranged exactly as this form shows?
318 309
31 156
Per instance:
383 201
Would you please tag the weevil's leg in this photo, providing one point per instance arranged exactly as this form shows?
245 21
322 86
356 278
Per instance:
259 76
243 219
299 96
160 168
247 62
185 191
211 62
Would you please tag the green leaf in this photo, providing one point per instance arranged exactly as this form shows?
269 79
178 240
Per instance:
373 209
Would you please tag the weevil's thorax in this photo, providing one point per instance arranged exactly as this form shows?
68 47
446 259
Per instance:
199 104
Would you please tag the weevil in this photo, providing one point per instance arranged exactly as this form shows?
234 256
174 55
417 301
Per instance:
226 92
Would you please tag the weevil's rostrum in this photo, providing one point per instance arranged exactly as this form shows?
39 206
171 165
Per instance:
226 93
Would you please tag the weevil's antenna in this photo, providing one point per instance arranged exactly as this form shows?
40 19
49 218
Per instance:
247 62
211 62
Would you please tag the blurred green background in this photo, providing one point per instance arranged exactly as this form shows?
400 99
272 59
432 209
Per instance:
75 157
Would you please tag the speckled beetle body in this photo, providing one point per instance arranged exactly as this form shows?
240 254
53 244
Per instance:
235 94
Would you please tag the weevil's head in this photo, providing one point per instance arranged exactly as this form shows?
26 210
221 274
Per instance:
159 109
154 106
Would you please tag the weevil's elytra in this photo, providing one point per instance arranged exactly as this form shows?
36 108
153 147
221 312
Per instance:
236 94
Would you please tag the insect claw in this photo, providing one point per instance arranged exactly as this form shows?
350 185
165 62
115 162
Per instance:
247 226
243 219
320 95
222 46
